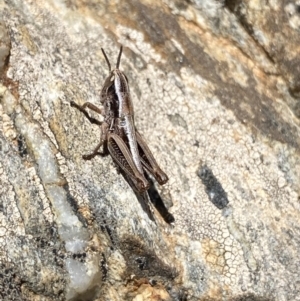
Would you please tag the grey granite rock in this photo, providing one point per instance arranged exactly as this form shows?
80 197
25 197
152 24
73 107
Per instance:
215 87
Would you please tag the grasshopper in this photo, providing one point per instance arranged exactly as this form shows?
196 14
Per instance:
119 136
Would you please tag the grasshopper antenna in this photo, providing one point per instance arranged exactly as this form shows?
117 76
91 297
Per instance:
106 58
119 58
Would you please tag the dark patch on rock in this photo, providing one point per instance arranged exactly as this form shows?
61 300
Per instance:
143 262
251 297
109 231
74 204
213 187
177 294
22 146
103 267
10 283
233 5
262 117
176 119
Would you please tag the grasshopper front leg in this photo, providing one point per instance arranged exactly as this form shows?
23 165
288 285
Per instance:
86 114
104 126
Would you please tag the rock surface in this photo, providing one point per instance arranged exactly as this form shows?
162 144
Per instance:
215 87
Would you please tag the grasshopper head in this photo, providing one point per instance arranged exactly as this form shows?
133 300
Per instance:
116 80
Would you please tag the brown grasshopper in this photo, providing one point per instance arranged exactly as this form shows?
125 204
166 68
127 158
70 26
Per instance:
118 133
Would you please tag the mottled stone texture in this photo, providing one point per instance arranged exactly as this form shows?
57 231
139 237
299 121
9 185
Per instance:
215 86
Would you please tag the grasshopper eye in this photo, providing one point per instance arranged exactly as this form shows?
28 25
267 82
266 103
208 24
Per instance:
112 78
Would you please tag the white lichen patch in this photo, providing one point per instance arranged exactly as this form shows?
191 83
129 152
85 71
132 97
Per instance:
137 43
